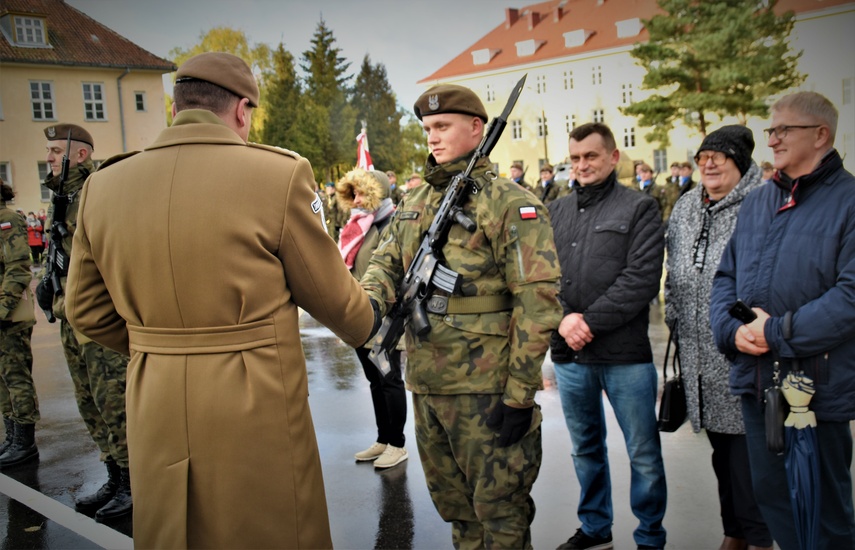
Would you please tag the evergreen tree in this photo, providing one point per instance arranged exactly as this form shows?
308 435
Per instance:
414 144
374 103
722 58
283 102
326 95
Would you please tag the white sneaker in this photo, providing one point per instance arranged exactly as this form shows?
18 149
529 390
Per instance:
392 456
371 453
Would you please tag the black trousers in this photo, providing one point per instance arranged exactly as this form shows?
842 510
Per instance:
740 514
388 396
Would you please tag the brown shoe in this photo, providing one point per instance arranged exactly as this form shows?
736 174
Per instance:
732 543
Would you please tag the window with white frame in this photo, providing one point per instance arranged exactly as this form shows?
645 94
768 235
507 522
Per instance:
597 74
491 93
541 127
569 123
94 107
628 137
541 84
6 172
660 161
516 129
29 31
626 94
599 115
568 80
41 100
43 172
139 101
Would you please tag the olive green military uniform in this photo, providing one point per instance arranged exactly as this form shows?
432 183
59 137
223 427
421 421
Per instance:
468 362
334 217
18 400
98 373
668 196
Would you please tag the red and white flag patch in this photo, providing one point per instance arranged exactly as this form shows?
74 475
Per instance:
528 213
5 225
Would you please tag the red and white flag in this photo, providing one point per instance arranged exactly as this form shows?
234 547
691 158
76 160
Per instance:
363 155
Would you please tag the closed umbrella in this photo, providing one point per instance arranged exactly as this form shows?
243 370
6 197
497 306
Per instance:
802 459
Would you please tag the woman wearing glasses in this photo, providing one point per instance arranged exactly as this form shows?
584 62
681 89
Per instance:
699 229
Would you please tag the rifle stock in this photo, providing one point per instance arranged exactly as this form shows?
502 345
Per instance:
426 272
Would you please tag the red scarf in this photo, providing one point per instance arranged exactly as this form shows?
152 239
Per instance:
353 235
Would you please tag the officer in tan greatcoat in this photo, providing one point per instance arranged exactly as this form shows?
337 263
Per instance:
202 249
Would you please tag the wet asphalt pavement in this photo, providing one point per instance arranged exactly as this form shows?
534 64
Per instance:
368 508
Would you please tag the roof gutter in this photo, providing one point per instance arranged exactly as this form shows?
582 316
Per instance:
122 109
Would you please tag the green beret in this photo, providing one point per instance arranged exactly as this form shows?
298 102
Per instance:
60 132
449 98
223 69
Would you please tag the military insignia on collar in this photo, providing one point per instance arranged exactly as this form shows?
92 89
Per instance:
528 213
51 132
433 102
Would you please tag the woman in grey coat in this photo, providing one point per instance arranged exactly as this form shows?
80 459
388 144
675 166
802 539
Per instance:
699 229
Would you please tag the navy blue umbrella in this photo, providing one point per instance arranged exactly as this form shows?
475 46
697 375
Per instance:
802 459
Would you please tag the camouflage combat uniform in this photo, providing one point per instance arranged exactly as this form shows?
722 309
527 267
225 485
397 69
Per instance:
98 373
460 371
18 400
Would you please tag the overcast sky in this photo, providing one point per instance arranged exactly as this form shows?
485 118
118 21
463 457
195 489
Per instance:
411 38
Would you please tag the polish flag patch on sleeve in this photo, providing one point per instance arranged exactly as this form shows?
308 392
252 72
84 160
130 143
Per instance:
5 225
528 213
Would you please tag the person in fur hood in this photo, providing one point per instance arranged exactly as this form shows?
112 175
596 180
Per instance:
367 196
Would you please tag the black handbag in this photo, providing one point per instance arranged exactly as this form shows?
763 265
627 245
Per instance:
776 409
672 406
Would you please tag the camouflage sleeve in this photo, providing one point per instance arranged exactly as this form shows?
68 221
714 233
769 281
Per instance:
532 272
16 260
386 268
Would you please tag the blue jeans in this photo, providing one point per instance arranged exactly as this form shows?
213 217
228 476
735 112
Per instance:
769 476
631 390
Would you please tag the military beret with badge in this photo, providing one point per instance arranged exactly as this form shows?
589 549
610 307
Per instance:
60 132
449 98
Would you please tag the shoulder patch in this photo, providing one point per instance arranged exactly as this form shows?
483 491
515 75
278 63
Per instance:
408 215
317 205
5 226
115 159
274 149
528 213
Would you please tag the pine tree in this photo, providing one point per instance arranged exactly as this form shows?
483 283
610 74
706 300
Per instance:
374 103
722 58
283 102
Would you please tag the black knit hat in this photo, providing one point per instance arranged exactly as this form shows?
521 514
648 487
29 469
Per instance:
735 141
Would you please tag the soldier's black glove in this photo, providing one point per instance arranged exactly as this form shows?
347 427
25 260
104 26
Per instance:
378 320
511 423
44 297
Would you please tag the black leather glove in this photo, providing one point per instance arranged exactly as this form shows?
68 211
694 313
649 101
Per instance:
378 320
44 297
511 423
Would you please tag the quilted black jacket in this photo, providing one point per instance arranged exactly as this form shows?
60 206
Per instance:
611 254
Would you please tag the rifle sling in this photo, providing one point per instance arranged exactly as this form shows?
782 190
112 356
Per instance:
470 304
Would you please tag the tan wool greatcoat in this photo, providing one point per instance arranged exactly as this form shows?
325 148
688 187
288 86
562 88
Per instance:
193 256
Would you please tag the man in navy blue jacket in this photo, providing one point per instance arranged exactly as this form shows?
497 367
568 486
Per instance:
792 260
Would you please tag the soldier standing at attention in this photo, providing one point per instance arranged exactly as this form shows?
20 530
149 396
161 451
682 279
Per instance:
18 400
474 376
97 372
223 449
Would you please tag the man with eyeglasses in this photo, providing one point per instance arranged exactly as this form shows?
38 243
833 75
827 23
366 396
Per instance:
792 260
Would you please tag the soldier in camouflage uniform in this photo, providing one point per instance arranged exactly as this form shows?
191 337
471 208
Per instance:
18 400
475 375
98 373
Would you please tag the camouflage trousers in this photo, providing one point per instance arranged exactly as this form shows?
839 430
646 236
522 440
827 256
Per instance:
18 399
99 375
481 489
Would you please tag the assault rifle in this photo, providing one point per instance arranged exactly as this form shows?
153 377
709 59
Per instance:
57 262
426 272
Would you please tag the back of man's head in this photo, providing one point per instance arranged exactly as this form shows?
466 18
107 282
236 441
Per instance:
214 81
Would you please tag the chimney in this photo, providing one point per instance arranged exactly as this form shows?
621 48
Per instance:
557 14
511 16
533 19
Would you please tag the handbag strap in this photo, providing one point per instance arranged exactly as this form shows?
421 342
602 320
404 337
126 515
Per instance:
675 359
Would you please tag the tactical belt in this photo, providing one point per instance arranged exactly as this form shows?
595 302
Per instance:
469 304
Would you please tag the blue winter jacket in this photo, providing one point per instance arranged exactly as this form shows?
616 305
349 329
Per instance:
798 259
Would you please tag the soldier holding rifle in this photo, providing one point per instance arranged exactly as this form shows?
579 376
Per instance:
474 351
98 373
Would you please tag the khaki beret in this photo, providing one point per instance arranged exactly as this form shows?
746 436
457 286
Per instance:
517 165
223 69
449 98
60 132
546 168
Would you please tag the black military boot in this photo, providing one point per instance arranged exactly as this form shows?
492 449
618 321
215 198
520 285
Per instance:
121 504
23 447
102 496
10 434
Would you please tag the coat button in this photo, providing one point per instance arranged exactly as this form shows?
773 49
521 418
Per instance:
572 244
566 281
